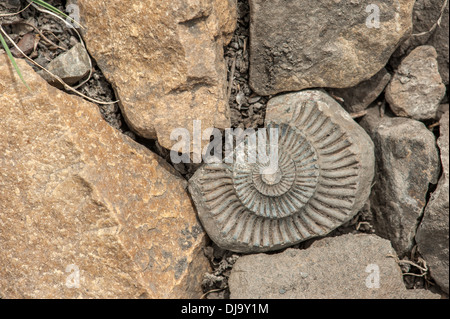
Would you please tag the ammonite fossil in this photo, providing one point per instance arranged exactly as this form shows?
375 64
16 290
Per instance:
323 176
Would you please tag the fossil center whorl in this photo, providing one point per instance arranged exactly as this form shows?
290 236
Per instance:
279 189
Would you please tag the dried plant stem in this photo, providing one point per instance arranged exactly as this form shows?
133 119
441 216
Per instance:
435 25
211 291
67 87
41 34
15 13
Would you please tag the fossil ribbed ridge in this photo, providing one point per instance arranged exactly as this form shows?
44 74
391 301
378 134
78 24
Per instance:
325 169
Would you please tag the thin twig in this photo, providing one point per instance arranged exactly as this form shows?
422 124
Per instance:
81 41
382 109
67 87
408 262
362 223
337 98
15 13
438 22
412 274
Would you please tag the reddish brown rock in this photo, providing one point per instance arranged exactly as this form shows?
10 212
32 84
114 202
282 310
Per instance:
75 194
297 45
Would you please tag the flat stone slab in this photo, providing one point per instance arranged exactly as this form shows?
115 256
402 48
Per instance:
298 44
344 267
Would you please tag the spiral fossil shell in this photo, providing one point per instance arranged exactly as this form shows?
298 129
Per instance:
324 174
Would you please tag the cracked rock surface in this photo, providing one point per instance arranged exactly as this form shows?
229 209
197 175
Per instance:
74 192
407 162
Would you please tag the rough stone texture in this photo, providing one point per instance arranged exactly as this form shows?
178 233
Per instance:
407 162
443 108
334 268
425 15
287 53
358 98
73 190
70 66
440 41
26 45
433 233
416 89
323 176
164 59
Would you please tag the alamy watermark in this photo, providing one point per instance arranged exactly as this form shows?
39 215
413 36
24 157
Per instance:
373 279
373 20
73 279
241 146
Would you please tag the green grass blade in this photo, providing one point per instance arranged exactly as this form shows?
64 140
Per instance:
54 10
50 8
13 61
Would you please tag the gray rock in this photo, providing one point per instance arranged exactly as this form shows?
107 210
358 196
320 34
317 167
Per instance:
443 108
345 267
440 41
416 89
433 233
70 66
407 162
295 45
358 98
426 14
324 172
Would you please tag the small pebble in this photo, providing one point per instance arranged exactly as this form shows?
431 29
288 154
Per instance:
234 45
253 100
